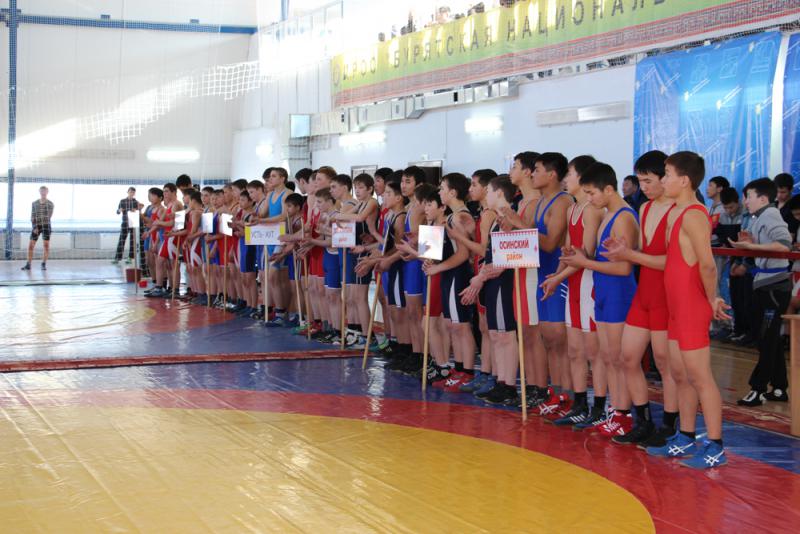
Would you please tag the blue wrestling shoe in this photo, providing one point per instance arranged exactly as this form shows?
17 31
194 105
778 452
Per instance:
677 446
706 456
473 385
485 387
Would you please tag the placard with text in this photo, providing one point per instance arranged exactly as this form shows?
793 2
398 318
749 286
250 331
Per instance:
343 234
517 249
263 234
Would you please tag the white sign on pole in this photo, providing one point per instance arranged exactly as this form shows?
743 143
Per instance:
207 223
344 234
518 249
430 243
180 221
225 222
133 219
263 234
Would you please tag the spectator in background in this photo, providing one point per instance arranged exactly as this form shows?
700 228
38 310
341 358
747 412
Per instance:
631 192
730 287
784 184
127 204
41 214
771 291
713 191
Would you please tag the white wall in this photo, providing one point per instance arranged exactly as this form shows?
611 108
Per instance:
77 79
233 12
440 134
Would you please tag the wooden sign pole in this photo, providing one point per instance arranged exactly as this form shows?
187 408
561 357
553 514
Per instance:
225 273
266 285
371 321
344 296
520 347
426 339
136 259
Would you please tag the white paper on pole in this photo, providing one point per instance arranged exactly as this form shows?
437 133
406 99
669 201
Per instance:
180 221
518 249
344 234
430 243
264 234
133 219
224 223
207 223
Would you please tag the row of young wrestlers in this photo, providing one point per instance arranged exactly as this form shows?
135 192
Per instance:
581 306
217 264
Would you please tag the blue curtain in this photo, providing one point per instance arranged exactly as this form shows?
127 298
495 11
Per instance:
714 100
791 111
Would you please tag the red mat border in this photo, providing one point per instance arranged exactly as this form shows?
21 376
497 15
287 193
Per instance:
167 359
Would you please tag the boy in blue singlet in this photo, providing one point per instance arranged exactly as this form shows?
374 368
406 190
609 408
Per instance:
364 214
279 287
255 190
614 286
456 271
550 219
413 277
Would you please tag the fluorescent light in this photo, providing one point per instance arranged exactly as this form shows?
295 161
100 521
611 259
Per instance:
264 150
363 138
483 125
173 155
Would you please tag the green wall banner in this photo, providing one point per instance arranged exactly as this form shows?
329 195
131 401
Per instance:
530 36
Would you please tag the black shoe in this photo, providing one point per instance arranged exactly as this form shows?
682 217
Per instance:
400 363
657 438
534 396
577 414
436 373
44 266
27 267
754 398
413 366
639 433
777 395
485 395
503 395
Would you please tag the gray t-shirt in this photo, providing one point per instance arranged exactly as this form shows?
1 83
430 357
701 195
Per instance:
767 227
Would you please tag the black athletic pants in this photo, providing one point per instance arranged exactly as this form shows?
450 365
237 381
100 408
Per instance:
770 304
124 234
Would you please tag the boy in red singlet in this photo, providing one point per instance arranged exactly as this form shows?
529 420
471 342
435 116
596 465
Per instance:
322 180
647 319
583 220
194 247
169 246
690 274
486 379
523 218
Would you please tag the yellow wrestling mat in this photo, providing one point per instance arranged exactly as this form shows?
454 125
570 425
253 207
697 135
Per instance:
172 470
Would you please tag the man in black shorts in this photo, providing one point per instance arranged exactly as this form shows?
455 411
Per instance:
126 205
41 213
